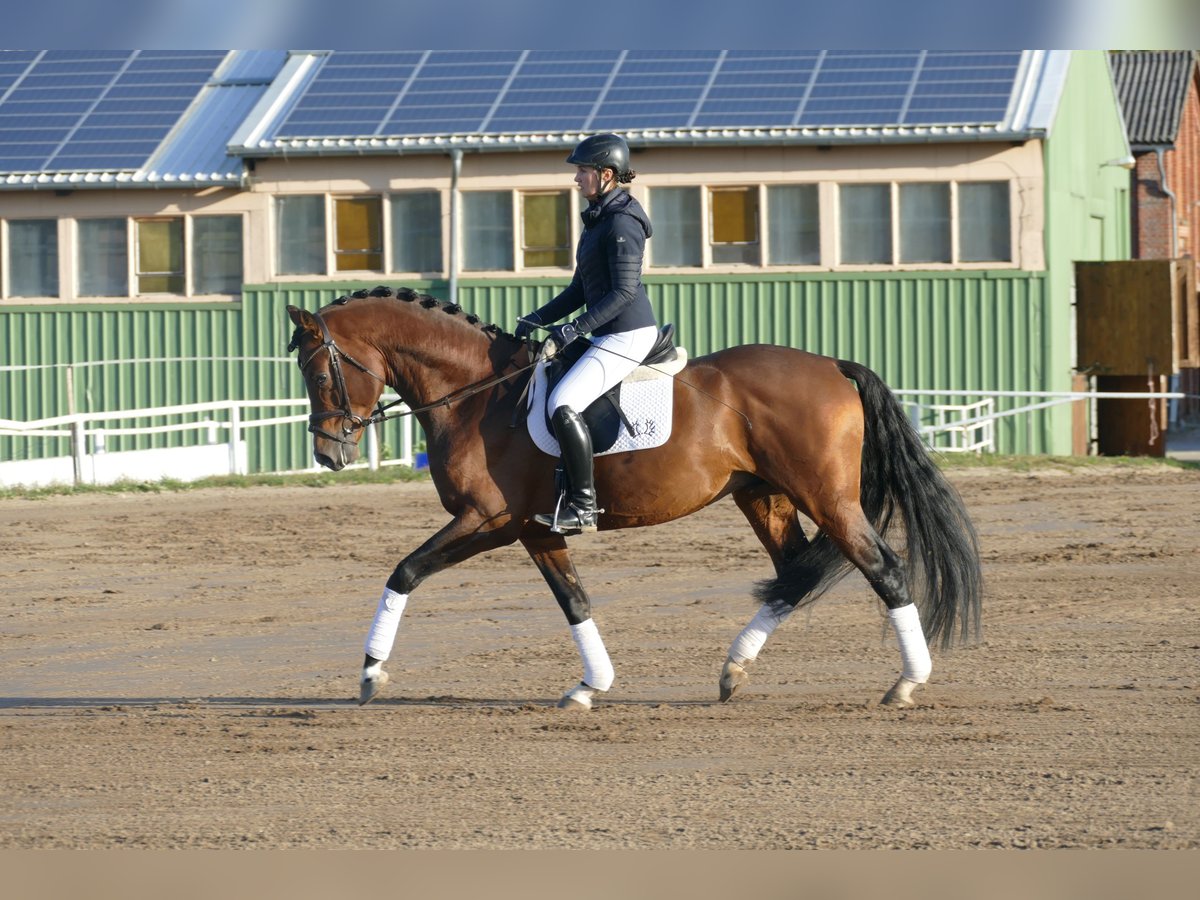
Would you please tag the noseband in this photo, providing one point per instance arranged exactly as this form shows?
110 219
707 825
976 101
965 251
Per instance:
345 413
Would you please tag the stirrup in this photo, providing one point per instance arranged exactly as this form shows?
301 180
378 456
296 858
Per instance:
568 519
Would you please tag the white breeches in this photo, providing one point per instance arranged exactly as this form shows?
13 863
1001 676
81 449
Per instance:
610 358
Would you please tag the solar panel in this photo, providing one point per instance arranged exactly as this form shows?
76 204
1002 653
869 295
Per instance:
64 110
356 94
67 110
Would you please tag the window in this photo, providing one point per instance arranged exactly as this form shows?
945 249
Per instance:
217 254
925 223
487 230
417 231
358 234
103 257
676 216
300 235
866 223
546 226
33 258
160 256
984 222
794 225
733 222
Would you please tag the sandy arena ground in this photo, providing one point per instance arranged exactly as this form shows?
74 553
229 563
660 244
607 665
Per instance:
176 671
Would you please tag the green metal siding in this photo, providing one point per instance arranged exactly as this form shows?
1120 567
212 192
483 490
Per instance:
957 331
1087 209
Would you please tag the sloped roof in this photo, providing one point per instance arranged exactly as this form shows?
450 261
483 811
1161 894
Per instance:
133 118
126 117
1152 86
414 101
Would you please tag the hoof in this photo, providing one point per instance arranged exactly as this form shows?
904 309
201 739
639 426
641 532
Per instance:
900 696
370 685
733 676
578 698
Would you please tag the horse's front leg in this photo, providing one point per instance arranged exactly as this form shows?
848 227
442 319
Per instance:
467 535
553 560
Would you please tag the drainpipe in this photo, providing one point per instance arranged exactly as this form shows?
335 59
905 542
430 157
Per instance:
455 172
1162 183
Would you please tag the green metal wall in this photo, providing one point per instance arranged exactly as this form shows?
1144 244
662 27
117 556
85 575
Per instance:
959 331
933 331
1087 208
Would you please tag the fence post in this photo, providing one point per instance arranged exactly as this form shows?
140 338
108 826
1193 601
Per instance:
235 433
78 435
406 441
373 447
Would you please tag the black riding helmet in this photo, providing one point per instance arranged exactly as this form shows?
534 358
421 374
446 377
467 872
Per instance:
603 151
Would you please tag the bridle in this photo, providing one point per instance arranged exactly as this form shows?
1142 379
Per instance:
347 415
381 414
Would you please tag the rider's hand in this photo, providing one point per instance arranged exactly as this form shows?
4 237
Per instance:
525 326
564 334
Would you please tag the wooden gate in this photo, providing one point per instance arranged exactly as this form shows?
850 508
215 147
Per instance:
1136 325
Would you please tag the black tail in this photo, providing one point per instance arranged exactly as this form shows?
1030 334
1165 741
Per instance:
898 476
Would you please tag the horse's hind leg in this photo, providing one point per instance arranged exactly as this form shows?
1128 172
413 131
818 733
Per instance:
553 560
885 572
774 520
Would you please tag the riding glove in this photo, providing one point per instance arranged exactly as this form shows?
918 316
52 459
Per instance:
525 326
564 334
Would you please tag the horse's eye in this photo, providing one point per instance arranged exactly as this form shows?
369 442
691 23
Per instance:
321 379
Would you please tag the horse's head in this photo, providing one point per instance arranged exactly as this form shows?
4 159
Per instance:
343 381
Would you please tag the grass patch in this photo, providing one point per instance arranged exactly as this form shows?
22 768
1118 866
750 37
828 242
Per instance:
384 475
950 461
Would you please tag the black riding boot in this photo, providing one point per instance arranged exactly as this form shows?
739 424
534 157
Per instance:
579 513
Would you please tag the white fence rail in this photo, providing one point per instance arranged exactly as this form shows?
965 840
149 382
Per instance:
955 428
185 463
971 427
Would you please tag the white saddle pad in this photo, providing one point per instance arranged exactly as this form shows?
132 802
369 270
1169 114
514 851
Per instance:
646 395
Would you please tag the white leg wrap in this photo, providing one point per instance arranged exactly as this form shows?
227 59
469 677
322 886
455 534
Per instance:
597 667
914 651
387 621
747 645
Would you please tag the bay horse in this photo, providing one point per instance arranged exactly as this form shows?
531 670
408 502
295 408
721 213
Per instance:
780 430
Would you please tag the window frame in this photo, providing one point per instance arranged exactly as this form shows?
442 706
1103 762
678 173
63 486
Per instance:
332 237
389 261
955 263
523 247
6 261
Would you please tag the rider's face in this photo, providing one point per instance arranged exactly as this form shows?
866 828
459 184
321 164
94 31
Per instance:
589 182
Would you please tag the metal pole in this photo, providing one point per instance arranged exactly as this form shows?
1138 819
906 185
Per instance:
455 171
373 447
235 430
78 437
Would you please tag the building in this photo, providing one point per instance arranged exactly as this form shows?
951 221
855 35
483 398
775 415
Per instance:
919 212
1160 98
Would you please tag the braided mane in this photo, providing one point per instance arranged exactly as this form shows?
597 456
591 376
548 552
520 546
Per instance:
408 295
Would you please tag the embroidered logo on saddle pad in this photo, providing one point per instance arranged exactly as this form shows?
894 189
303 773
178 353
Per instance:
644 420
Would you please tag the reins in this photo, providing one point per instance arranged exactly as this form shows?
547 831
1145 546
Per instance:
381 413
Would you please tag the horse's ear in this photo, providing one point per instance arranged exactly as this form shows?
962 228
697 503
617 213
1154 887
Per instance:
300 318
304 321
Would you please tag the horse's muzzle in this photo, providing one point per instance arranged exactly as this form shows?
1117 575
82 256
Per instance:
339 455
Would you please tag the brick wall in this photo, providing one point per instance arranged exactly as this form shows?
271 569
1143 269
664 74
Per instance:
1152 208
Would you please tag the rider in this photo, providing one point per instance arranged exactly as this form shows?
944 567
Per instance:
608 280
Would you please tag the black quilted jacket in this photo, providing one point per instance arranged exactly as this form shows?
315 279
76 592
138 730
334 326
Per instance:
608 269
